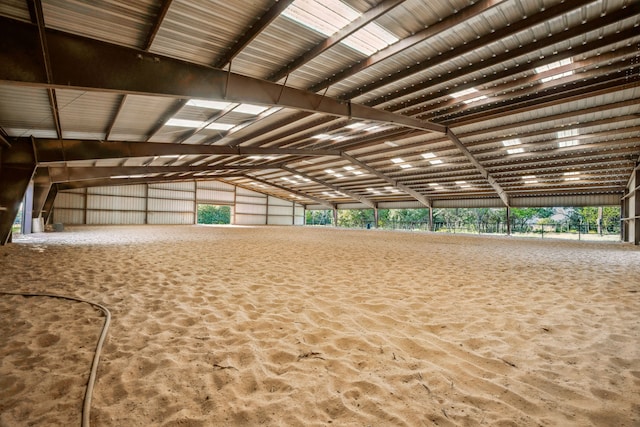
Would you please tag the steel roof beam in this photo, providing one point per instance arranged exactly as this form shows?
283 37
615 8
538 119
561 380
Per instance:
108 182
515 53
408 42
57 150
113 68
351 194
164 8
71 173
501 193
416 195
472 45
253 32
296 192
369 16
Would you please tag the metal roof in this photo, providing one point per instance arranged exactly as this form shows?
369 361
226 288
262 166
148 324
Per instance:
338 126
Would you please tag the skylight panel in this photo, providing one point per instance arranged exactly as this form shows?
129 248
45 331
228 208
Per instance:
220 126
464 92
329 16
569 143
436 162
212 105
516 151
428 155
348 168
397 160
406 166
184 123
567 133
551 66
355 125
511 142
322 136
476 99
250 109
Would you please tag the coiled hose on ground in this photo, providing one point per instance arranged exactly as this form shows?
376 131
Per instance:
86 405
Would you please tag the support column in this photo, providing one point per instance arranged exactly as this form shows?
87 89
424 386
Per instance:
635 202
623 222
27 211
47 208
335 216
17 166
42 186
376 217
431 218
508 221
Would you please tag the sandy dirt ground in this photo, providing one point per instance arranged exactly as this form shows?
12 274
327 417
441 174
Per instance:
301 326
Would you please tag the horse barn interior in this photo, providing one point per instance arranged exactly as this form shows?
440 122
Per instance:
132 113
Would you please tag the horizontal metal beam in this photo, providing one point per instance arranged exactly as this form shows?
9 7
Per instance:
419 197
351 194
501 193
68 174
64 150
86 64
292 191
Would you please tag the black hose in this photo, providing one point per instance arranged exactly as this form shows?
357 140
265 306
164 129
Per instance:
86 406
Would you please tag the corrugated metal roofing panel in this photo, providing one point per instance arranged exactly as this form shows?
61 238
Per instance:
85 114
26 111
127 23
15 9
202 32
138 116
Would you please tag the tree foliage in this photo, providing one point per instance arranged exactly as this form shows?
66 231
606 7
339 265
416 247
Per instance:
210 214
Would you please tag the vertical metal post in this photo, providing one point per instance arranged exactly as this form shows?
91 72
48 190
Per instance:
635 201
623 215
335 216
195 202
430 218
376 217
508 221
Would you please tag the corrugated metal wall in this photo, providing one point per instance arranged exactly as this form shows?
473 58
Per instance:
631 210
171 203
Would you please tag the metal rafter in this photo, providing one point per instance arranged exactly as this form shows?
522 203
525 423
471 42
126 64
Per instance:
408 42
104 64
164 8
292 191
68 174
351 194
369 16
56 151
253 32
416 195
520 51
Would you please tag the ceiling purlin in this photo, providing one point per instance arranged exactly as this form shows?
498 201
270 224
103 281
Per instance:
80 173
147 45
361 199
576 92
416 195
292 191
408 42
513 53
252 32
106 182
369 16
35 9
449 55
515 86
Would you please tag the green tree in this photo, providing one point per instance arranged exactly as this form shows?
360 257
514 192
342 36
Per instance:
354 218
210 214
323 217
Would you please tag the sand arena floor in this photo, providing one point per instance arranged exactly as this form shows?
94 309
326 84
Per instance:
283 326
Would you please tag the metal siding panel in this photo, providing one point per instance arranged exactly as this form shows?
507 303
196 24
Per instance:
69 200
123 190
215 185
68 216
281 210
168 205
249 219
170 218
251 200
182 186
279 220
214 196
99 202
275 201
244 192
243 208
102 217
170 194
